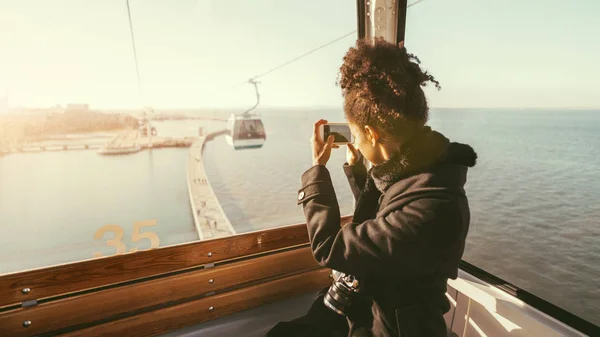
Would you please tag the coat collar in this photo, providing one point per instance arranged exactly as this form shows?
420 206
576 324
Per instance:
426 149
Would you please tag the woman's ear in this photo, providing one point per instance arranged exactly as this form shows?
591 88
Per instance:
372 135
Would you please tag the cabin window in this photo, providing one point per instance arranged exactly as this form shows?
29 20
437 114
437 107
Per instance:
520 83
77 178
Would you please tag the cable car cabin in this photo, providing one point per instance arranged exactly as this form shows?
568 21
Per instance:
245 132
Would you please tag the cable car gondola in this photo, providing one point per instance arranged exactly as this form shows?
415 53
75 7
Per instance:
246 130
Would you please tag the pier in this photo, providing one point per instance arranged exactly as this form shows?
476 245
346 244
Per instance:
160 142
123 143
209 218
51 148
131 141
123 140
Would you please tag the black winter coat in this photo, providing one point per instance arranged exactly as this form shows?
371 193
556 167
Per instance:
406 239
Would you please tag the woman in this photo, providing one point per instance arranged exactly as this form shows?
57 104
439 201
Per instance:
412 215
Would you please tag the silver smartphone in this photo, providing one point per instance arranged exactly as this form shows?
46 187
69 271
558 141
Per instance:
340 131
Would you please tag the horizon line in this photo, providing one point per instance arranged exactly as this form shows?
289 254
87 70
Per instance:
312 107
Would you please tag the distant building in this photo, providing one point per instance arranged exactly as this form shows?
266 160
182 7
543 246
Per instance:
77 108
56 110
3 104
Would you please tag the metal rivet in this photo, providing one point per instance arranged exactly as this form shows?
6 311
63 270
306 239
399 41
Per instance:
211 308
26 290
27 324
209 254
211 281
330 275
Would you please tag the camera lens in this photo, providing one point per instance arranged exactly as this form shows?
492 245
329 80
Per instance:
339 296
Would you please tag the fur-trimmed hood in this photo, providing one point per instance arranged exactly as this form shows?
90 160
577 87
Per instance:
425 150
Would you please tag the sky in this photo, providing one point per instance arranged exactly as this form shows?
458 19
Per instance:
198 53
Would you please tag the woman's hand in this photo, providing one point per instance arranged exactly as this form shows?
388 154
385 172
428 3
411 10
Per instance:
321 150
352 155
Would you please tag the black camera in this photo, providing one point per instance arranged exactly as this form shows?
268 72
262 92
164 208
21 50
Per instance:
340 295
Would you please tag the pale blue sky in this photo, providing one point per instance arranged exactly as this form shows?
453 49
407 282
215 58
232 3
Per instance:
514 53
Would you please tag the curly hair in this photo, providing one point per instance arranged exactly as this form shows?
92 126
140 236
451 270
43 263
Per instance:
381 84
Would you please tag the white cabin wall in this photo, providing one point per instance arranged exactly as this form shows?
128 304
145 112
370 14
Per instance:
488 311
452 294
